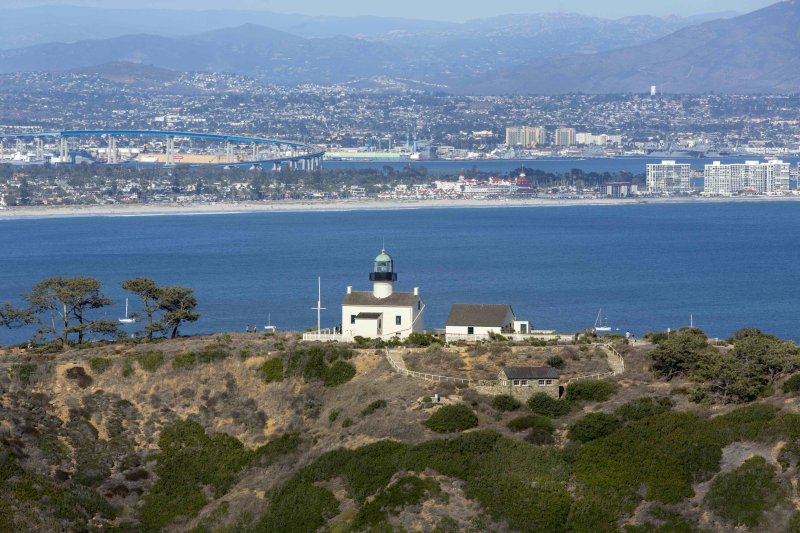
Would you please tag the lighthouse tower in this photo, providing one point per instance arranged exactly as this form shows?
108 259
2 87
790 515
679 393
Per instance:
383 276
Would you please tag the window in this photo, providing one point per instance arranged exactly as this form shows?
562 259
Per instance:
398 320
516 383
548 382
419 304
352 319
541 383
470 330
524 382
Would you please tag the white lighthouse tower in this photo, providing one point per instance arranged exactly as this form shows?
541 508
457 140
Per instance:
383 276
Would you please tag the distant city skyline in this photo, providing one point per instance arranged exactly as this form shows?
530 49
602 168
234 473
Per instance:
450 10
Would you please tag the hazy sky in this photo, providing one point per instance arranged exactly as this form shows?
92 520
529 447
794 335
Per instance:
457 10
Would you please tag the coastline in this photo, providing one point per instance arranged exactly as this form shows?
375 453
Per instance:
341 205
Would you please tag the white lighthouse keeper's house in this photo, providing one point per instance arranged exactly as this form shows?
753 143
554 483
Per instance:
382 313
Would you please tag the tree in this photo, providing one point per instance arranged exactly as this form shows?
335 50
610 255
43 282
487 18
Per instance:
676 354
70 299
147 290
178 304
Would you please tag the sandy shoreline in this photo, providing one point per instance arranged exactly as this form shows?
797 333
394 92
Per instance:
339 205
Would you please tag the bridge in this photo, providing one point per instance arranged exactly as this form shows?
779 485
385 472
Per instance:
297 156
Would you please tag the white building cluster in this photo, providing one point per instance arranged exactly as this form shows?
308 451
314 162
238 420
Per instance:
669 177
750 177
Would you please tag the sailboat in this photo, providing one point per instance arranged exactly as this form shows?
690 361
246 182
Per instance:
269 328
601 323
127 319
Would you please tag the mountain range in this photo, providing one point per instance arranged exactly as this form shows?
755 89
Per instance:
547 53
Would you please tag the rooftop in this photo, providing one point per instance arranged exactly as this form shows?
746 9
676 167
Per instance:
531 372
479 315
397 299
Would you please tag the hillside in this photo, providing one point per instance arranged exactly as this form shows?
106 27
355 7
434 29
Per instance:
291 49
251 432
757 52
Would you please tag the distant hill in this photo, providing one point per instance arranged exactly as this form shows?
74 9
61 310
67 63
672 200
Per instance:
299 49
757 52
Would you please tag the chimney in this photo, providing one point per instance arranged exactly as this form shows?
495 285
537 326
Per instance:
416 291
349 290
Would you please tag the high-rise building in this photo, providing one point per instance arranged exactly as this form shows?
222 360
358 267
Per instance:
518 136
565 137
753 177
669 177
539 136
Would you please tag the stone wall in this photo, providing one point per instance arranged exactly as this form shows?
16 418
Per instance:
520 393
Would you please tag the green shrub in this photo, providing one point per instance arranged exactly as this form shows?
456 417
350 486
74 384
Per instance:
524 423
505 403
593 426
326 363
374 406
151 360
545 405
127 367
272 371
25 373
743 495
590 391
184 360
422 339
333 416
339 373
792 384
299 508
451 419
100 364
539 437
556 361
643 408
347 422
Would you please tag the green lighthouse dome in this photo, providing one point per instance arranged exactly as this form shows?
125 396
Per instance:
384 268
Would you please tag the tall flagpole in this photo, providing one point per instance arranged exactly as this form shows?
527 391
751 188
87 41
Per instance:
319 307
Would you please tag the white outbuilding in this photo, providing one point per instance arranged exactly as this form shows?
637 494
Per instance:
382 313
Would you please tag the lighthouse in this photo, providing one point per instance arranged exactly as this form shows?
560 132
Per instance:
383 276
382 313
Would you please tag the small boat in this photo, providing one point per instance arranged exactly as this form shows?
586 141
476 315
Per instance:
127 319
601 323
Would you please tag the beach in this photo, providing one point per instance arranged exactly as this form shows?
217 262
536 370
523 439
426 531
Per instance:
343 205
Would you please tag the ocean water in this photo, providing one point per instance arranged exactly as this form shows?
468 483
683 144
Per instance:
649 267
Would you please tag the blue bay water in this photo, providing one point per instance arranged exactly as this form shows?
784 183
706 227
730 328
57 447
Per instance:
649 267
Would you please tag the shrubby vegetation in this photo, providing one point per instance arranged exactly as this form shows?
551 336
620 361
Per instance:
151 360
100 364
742 374
191 463
590 391
374 406
326 363
498 473
271 371
744 494
594 426
451 419
545 405
405 491
505 403
643 408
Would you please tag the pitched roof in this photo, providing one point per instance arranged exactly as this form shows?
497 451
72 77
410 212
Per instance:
397 299
531 372
478 315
